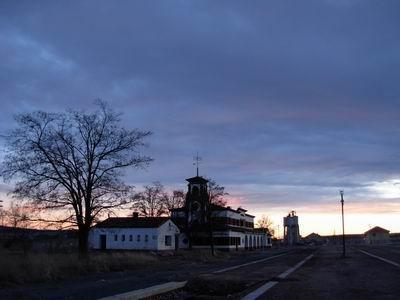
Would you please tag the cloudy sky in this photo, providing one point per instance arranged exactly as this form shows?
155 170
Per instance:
287 102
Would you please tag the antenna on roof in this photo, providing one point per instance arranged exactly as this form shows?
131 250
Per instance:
197 159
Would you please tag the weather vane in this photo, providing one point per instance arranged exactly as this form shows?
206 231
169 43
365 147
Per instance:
197 160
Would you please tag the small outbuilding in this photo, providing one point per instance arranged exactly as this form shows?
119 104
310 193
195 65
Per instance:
314 238
135 233
377 235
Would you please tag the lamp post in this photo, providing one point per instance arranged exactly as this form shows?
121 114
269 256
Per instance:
343 240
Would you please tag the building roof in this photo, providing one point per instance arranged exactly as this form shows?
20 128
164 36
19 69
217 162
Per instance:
312 235
197 179
132 222
216 207
376 229
262 230
239 210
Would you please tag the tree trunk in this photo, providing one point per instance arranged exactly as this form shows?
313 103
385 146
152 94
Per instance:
83 241
211 236
212 243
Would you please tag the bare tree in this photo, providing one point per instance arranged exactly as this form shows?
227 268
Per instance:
73 161
266 223
176 199
17 215
217 193
152 201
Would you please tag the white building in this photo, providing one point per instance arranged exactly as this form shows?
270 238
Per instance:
232 229
198 224
134 233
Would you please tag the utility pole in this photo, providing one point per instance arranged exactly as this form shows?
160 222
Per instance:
343 240
209 212
1 212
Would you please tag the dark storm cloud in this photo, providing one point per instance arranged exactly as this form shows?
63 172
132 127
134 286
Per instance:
273 94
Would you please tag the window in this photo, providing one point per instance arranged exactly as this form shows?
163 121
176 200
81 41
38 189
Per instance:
154 237
138 238
123 237
146 238
168 240
233 241
130 238
115 237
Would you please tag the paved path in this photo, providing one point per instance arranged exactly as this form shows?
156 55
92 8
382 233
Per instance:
327 276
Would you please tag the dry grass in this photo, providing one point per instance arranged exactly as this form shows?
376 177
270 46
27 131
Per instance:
19 268
203 255
16 268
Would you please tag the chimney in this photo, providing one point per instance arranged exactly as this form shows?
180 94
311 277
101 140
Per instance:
135 215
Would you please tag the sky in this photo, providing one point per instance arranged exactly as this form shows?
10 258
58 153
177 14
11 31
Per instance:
287 102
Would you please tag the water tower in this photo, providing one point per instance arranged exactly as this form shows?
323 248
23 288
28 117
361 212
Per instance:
291 233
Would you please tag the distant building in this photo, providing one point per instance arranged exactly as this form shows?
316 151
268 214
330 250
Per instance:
350 239
135 233
377 235
395 237
202 223
37 239
314 238
291 232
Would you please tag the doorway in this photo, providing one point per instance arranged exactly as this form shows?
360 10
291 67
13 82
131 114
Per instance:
103 242
176 241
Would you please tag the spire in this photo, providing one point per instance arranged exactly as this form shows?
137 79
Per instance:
196 161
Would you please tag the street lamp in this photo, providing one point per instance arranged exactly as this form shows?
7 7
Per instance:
343 241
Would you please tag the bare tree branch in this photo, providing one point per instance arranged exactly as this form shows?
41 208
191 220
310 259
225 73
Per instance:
152 201
266 223
217 193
